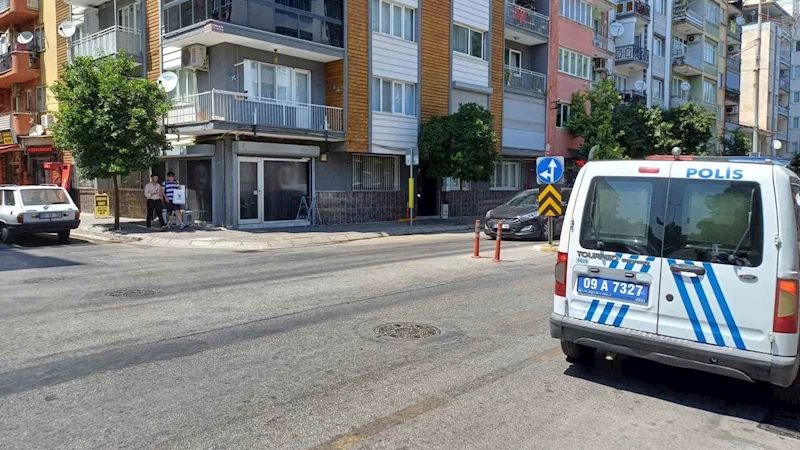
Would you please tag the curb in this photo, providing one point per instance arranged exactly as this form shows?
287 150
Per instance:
274 244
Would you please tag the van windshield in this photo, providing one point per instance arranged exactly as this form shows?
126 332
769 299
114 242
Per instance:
41 197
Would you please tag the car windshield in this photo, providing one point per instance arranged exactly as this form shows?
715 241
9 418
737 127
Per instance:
40 197
528 198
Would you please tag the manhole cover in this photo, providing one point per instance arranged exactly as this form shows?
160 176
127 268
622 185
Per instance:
406 331
785 423
44 280
131 293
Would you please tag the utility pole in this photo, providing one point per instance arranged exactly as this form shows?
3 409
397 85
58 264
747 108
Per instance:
756 147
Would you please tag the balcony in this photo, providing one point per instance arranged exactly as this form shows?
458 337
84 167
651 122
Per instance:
18 67
734 31
631 7
686 21
108 42
315 32
19 123
783 110
14 12
629 97
602 43
221 111
686 64
732 82
602 6
734 64
786 57
783 84
526 26
526 80
632 56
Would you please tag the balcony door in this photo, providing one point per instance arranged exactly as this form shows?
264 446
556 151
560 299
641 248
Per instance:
302 96
281 95
128 17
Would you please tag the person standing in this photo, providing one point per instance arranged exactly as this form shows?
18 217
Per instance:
152 191
168 193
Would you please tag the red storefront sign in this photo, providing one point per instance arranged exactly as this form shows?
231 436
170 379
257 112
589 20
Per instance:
39 150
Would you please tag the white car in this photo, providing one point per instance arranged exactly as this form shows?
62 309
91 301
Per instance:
36 209
687 261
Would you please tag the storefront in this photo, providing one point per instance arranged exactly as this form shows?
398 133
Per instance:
193 168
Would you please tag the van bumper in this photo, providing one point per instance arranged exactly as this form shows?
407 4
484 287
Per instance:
732 362
44 227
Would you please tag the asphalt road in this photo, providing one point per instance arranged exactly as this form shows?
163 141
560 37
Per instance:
121 346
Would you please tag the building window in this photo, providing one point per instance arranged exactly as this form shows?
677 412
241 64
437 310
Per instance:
563 111
796 97
41 99
376 173
578 11
395 20
513 58
795 147
710 53
658 90
38 39
659 6
796 72
394 97
468 41
574 64
506 176
713 13
187 84
795 122
797 46
275 82
709 92
128 17
658 46
721 80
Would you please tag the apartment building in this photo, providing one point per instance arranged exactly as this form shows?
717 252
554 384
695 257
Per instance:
733 69
774 86
26 153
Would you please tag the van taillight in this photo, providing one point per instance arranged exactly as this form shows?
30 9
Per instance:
786 299
561 275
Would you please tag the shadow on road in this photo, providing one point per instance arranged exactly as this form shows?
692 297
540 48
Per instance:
13 257
700 390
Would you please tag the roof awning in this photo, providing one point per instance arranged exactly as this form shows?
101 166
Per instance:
9 148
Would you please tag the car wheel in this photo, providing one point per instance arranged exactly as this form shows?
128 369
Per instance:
63 236
6 236
491 238
576 352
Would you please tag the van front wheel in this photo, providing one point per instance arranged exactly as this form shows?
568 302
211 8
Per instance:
577 352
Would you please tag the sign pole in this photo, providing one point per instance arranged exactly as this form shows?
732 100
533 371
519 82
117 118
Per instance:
411 191
550 230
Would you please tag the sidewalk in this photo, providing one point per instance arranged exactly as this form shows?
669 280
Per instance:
135 231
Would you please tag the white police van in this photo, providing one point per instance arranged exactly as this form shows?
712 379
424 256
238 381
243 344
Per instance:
688 261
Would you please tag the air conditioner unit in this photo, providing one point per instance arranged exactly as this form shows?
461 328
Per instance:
691 38
731 48
731 109
16 90
194 57
47 121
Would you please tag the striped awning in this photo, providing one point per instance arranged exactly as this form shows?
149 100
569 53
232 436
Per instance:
9 148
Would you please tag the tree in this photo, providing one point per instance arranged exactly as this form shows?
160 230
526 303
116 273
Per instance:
109 119
691 128
738 144
591 118
461 145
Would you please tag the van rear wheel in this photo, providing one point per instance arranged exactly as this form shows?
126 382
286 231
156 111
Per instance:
577 352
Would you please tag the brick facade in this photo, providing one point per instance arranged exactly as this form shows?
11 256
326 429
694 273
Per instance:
152 32
436 55
496 68
334 84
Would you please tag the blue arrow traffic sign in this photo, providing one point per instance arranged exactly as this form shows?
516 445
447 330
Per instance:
550 169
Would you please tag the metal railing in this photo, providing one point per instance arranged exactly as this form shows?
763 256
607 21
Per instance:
600 41
6 63
786 56
633 96
525 79
526 19
641 8
680 58
783 110
783 84
239 107
684 14
632 53
109 42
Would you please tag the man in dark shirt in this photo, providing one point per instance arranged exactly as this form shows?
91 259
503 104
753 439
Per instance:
168 191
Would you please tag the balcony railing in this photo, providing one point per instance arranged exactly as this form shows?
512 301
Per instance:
786 57
638 7
109 42
684 14
324 25
600 41
734 31
632 53
527 20
238 107
783 110
783 84
633 96
680 58
527 80
6 62
734 64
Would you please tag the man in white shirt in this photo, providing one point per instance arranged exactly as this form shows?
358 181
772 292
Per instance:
152 191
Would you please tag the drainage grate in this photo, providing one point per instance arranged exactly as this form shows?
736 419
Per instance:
782 422
403 330
44 280
131 293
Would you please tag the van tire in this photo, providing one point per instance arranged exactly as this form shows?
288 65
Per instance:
577 352
6 236
63 236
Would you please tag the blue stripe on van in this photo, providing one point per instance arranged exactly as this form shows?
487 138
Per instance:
646 268
630 263
592 309
615 262
606 312
712 321
723 305
621 315
687 303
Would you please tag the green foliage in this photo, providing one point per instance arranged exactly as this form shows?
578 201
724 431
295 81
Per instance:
108 118
692 128
591 118
738 144
461 145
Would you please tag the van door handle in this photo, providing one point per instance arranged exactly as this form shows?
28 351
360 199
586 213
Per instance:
678 268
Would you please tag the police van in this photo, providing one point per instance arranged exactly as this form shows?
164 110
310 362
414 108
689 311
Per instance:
688 261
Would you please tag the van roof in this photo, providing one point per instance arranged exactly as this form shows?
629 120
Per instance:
731 159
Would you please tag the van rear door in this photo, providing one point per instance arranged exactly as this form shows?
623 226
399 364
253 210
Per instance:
718 280
614 243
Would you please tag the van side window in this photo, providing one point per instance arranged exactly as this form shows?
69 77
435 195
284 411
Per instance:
714 221
624 215
796 198
8 198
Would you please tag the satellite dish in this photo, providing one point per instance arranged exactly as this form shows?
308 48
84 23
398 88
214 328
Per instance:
36 130
25 37
739 21
640 85
776 144
168 81
67 29
615 29
685 86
